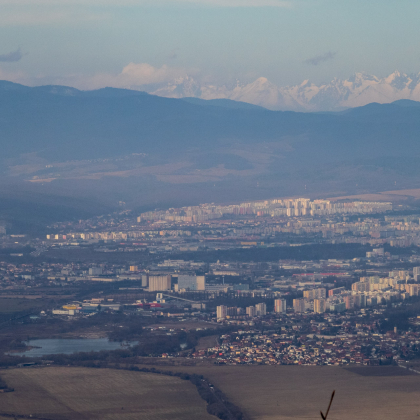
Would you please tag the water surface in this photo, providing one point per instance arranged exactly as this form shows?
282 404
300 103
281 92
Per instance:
69 346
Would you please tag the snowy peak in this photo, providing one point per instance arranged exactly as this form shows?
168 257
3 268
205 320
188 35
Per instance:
358 90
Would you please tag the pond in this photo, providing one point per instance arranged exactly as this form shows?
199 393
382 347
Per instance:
69 346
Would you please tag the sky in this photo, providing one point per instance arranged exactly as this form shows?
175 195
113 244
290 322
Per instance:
93 43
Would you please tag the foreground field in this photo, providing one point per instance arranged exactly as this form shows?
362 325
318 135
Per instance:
62 393
300 392
262 392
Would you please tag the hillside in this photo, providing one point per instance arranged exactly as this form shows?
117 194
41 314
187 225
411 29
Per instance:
115 145
61 123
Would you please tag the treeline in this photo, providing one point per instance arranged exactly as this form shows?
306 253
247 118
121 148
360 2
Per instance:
156 345
399 316
131 330
298 253
109 321
149 346
217 403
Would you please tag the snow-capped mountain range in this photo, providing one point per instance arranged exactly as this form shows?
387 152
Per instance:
358 90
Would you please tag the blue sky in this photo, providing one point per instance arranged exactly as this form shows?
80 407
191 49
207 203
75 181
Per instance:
89 42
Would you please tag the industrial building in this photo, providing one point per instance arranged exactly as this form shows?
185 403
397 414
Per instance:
159 283
191 283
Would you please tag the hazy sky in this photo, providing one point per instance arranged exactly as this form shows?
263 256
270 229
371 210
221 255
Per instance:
89 42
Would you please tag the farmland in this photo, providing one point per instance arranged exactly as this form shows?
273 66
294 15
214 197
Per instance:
261 392
297 392
106 394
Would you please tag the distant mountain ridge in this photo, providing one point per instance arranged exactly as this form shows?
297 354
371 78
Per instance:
124 145
59 122
359 90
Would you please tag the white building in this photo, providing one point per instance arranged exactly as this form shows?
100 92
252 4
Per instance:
221 312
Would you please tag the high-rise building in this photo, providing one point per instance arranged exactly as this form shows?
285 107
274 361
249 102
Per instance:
308 294
319 293
360 286
403 274
349 301
299 305
359 300
232 311
134 268
320 306
145 280
261 309
159 283
336 291
371 301
251 311
413 289
416 273
221 312
191 282
280 306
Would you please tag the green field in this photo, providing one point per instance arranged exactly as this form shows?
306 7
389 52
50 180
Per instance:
300 392
62 393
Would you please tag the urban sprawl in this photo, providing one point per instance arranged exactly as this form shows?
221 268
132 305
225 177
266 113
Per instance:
290 281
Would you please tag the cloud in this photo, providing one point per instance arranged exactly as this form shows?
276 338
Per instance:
136 76
145 74
133 76
314 61
11 57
